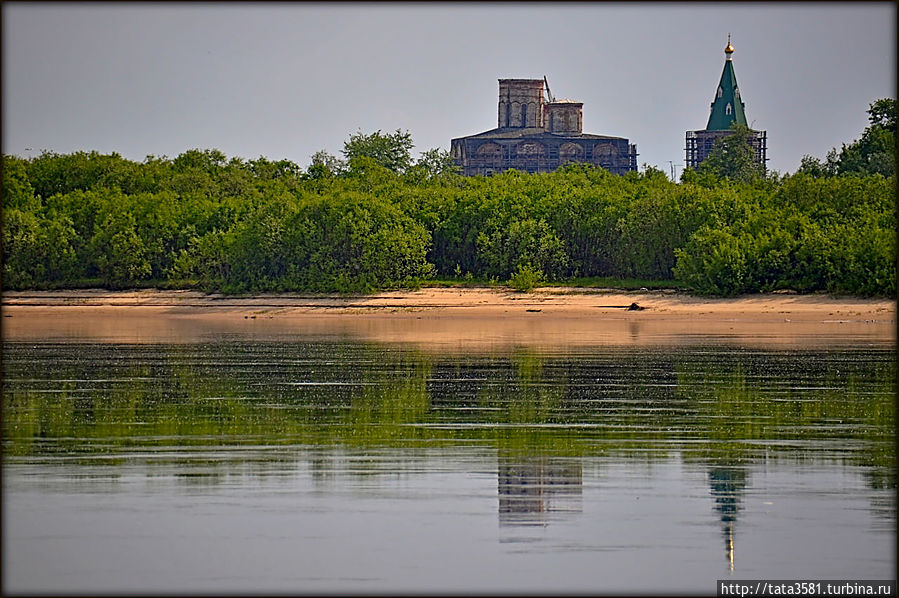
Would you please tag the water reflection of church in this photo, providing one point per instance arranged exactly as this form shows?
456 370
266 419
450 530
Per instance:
533 488
530 488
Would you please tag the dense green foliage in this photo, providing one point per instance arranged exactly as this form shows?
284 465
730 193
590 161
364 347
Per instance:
378 220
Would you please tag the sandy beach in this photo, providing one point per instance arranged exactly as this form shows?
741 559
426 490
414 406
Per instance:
452 318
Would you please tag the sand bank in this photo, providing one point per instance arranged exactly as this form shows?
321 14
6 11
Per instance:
452 318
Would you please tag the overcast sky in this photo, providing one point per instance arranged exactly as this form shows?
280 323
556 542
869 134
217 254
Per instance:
284 80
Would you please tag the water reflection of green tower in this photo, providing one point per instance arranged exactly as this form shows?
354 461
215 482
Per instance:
728 484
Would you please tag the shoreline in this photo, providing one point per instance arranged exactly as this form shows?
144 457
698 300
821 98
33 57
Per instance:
443 318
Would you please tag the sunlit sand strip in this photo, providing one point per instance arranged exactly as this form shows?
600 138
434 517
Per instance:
452 319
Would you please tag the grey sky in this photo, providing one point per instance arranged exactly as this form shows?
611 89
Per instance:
285 80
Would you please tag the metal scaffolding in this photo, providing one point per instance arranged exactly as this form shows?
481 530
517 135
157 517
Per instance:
699 144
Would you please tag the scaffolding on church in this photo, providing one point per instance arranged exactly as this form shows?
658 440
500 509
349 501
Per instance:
699 144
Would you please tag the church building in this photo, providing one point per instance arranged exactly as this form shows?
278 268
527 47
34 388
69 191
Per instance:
727 108
537 133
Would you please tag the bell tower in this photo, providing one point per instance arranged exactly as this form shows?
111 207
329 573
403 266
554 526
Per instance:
520 103
727 109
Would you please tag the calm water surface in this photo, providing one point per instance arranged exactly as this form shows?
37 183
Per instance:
316 466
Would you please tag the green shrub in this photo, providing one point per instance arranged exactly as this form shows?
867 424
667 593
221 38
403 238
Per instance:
526 277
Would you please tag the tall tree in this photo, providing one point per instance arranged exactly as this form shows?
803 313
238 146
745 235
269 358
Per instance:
325 165
873 153
734 158
436 161
392 151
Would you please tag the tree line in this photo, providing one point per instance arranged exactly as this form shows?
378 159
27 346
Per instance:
378 219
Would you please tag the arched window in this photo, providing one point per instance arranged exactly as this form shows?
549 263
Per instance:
728 109
524 115
489 156
508 114
529 156
720 92
571 152
604 154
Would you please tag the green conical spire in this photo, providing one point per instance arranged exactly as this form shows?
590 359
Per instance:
727 107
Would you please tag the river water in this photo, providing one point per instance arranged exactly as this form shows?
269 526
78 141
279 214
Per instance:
332 465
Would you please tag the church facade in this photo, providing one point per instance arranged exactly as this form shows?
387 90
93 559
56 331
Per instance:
536 133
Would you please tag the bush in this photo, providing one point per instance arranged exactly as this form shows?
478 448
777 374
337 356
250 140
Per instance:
526 277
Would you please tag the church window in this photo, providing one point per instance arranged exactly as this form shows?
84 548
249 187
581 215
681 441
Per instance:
524 115
728 109
720 92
